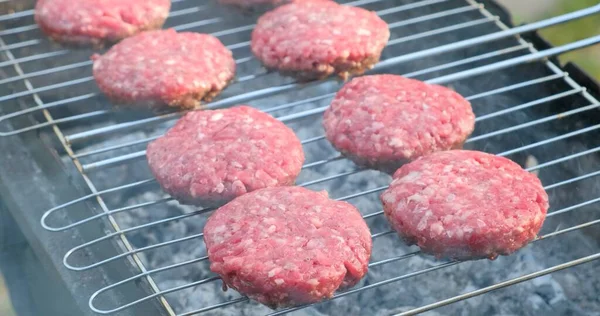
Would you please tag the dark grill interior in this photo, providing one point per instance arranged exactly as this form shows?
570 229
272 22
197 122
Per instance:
531 112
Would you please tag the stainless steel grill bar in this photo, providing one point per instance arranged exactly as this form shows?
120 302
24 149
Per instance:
234 46
63 84
550 140
530 104
140 154
550 214
454 46
142 249
203 211
440 80
367 287
19 45
136 262
549 64
330 95
500 285
217 20
389 260
533 123
140 183
270 110
304 184
285 311
428 17
16 15
17 30
44 218
26 13
66 51
46 71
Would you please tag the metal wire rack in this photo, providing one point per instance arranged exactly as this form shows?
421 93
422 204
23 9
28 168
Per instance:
83 133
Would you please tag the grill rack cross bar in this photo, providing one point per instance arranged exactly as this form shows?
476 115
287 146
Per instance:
151 180
504 284
395 279
203 211
393 62
205 22
299 115
331 95
434 51
373 264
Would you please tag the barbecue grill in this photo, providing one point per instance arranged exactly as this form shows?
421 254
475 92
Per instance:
118 245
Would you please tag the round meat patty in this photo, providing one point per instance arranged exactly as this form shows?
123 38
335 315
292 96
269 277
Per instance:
288 246
210 157
98 22
465 205
383 121
314 39
160 68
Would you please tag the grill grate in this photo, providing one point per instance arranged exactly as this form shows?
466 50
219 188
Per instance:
98 140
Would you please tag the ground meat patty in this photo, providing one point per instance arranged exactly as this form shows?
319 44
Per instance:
313 39
210 157
288 246
383 121
465 205
160 68
98 22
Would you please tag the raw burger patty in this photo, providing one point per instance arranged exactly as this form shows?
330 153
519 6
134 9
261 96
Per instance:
210 157
383 121
160 68
98 22
465 205
288 246
313 39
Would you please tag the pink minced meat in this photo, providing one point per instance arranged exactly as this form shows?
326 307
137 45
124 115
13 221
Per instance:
159 68
210 157
383 121
464 205
98 22
313 39
288 246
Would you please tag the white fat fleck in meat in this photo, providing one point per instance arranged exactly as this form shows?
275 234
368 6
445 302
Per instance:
219 229
422 223
219 188
395 142
416 198
274 271
316 222
436 229
363 32
389 198
216 116
411 177
269 220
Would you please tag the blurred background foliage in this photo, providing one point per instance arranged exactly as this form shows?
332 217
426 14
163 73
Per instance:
524 11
